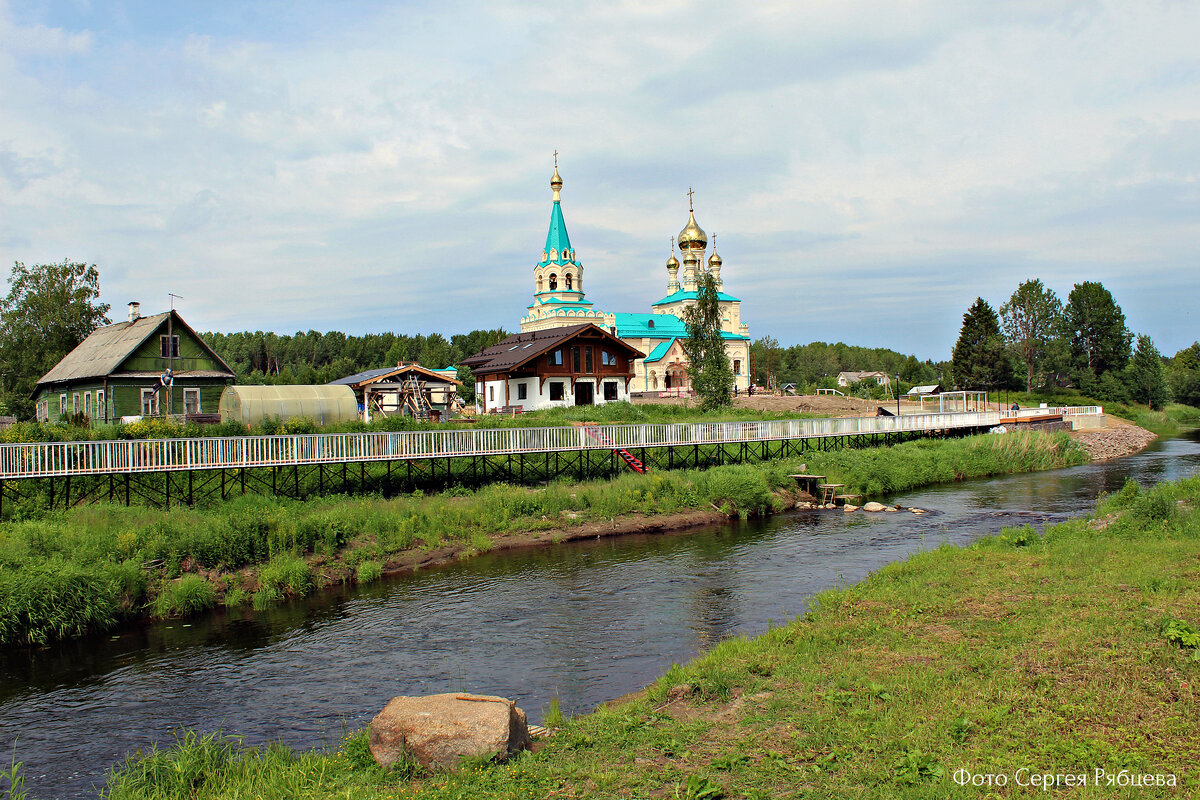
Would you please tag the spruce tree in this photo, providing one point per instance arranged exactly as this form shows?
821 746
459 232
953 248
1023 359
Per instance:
979 360
1147 378
708 365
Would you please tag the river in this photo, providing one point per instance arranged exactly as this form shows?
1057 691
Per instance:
582 622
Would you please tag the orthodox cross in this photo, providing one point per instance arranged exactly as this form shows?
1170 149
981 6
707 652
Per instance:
690 199
556 159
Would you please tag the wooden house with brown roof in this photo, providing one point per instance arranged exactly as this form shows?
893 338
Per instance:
579 365
145 366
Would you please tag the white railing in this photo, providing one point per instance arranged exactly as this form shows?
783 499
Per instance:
54 459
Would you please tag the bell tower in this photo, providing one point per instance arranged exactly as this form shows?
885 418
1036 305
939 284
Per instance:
558 297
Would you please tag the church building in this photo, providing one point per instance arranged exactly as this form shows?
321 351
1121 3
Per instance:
559 300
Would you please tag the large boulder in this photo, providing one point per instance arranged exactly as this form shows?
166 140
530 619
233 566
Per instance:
438 730
873 506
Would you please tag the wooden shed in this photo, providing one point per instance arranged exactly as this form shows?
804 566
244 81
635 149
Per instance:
405 389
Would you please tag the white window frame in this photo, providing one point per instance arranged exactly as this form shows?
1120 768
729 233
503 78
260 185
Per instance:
62 406
100 410
196 392
153 405
74 403
87 404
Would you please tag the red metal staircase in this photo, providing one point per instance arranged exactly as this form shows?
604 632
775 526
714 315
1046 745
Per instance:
626 456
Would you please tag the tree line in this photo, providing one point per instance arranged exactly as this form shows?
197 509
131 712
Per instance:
260 357
1037 342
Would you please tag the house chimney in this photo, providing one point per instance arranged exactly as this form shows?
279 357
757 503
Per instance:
135 311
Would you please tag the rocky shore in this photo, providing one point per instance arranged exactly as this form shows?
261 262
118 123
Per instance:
1118 438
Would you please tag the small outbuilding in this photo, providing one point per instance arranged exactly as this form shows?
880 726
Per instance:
407 390
923 391
324 405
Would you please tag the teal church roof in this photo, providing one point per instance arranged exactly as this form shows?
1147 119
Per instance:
556 237
682 295
661 350
656 326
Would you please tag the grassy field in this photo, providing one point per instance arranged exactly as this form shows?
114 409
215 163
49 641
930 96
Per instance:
1027 654
91 567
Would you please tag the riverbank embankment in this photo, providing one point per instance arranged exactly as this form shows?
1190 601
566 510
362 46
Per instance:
1067 652
90 568
1118 438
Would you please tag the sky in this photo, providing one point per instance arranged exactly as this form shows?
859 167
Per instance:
869 168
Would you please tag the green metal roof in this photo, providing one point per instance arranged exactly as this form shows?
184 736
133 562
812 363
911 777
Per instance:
656 326
661 350
682 295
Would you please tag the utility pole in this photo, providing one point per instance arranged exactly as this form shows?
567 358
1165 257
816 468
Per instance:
171 354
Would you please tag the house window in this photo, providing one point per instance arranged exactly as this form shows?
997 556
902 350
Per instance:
737 366
610 390
491 394
191 401
607 358
101 411
149 402
168 346
556 358
556 390
87 404
62 405
587 359
522 392
575 358
75 407
553 281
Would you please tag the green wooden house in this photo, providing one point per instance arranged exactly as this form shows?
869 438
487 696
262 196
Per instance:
121 371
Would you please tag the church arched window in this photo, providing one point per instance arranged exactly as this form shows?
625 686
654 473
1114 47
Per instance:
553 281
539 284
567 280
653 379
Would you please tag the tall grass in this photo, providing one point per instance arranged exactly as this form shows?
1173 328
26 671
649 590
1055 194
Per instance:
86 568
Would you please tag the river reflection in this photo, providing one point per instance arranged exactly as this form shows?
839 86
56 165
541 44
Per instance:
583 622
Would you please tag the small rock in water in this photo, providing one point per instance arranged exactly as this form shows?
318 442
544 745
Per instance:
873 506
849 509
917 510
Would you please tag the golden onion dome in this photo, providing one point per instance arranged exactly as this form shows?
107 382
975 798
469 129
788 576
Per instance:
556 180
672 261
714 260
692 237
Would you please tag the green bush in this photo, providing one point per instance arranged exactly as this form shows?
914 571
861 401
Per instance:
744 488
368 572
190 594
56 600
287 574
